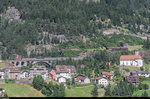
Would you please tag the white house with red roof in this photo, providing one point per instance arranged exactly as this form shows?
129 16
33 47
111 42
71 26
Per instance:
107 75
131 60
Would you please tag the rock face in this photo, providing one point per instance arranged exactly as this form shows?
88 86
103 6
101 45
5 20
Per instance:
38 49
111 31
13 14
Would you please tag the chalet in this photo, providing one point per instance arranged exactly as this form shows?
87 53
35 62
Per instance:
72 70
66 71
82 79
62 79
131 60
107 75
39 70
51 74
25 74
132 79
62 70
102 81
12 73
143 74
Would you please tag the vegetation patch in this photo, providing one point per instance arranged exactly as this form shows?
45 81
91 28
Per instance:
21 90
81 92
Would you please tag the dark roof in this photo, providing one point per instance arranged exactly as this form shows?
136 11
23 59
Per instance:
81 77
61 69
143 73
25 71
99 78
132 79
140 73
61 77
72 68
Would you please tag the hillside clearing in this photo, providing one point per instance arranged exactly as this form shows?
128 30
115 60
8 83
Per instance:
81 92
21 90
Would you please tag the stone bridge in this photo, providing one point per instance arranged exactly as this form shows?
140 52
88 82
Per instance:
25 61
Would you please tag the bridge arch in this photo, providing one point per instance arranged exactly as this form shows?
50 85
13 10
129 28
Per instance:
46 64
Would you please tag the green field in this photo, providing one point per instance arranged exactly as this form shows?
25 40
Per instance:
135 69
134 47
81 92
139 92
21 90
2 65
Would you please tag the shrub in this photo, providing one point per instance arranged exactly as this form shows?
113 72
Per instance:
9 81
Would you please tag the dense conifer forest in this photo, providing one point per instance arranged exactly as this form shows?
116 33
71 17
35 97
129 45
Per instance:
70 18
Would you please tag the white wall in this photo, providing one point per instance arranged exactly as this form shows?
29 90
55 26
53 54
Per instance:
66 75
61 80
103 82
136 63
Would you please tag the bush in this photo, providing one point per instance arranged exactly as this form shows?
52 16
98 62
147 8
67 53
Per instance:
9 81
38 82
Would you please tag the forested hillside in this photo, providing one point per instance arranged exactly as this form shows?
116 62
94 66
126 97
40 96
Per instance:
49 27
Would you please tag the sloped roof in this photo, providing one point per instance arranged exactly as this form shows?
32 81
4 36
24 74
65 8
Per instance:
61 69
131 79
72 68
81 77
13 69
107 73
130 57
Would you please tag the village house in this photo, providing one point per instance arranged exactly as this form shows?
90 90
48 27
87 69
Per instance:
143 74
65 71
132 79
12 73
51 74
39 70
131 60
82 79
62 79
25 74
107 75
2 74
72 70
101 81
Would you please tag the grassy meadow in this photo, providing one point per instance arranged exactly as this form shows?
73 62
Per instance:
21 90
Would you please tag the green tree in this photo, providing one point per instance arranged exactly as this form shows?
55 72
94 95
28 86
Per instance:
38 82
145 94
95 91
108 91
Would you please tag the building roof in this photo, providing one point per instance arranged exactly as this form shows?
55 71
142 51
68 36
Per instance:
61 69
72 68
100 78
1 87
81 77
38 67
130 57
13 69
140 72
61 77
53 73
25 71
107 73
132 79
